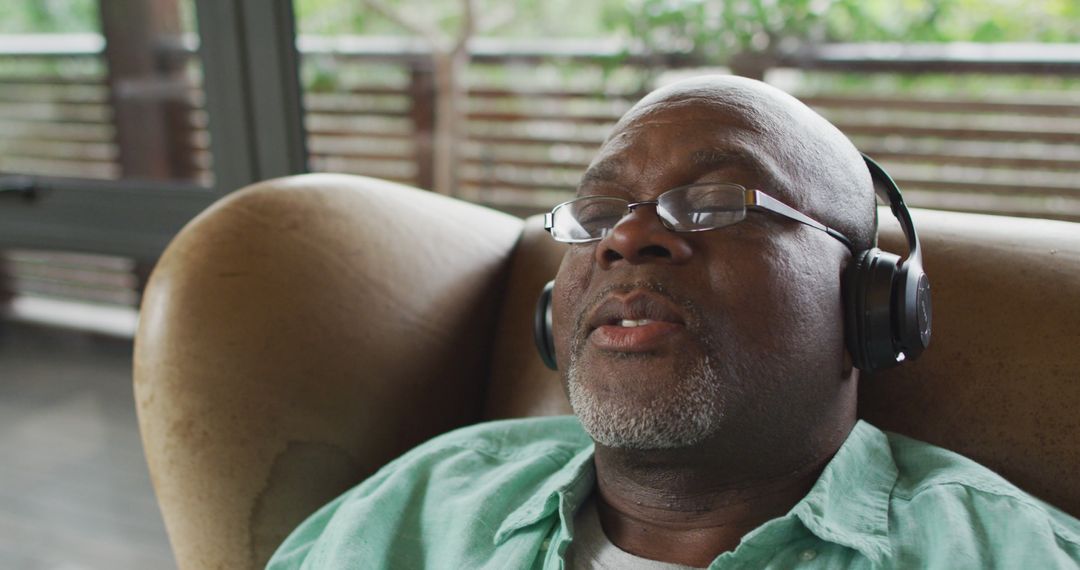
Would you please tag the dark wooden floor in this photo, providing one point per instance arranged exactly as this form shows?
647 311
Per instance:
74 488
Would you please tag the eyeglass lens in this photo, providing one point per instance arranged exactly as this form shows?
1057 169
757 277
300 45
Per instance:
686 209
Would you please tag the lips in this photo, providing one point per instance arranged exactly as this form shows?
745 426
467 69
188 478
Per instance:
638 321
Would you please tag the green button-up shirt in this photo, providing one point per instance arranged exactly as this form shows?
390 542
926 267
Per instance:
502 495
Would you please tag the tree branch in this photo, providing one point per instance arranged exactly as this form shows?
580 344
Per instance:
468 25
430 34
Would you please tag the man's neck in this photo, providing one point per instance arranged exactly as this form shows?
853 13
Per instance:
678 507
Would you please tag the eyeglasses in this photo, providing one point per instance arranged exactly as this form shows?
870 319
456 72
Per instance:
691 208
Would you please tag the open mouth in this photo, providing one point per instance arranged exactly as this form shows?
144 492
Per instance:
631 323
638 321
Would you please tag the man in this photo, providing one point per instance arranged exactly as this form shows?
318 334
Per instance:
714 398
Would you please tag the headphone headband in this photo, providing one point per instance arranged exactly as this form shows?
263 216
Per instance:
897 205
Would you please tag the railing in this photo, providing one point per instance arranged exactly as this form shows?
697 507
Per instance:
1009 149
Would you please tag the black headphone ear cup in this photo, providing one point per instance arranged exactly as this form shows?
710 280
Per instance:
912 309
870 306
542 333
894 318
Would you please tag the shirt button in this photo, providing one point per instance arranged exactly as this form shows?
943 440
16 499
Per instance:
544 545
808 555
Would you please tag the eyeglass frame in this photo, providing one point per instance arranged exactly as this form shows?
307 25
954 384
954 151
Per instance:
752 198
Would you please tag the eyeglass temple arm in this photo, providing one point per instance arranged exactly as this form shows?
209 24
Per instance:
762 200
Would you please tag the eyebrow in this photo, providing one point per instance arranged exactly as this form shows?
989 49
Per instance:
604 171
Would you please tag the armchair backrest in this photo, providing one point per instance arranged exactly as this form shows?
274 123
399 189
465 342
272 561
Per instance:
1000 383
302 332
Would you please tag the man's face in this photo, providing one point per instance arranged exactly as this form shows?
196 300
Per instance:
669 339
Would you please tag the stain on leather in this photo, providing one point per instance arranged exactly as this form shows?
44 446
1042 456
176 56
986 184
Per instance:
303 477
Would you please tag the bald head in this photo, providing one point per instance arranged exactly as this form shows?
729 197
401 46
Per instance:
809 163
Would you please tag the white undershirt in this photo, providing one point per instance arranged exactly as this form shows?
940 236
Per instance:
591 549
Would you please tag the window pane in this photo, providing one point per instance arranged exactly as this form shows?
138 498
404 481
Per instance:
962 122
102 90
542 94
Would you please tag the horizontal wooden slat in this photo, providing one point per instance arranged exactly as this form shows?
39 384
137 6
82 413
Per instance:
537 164
1050 136
869 103
987 187
339 133
952 57
71 137
110 263
545 117
374 123
67 115
360 156
96 151
53 167
333 114
515 184
531 92
350 97
377 90
22 80
983 161
75 277
10 97
89 162
521 200
534 140
75 292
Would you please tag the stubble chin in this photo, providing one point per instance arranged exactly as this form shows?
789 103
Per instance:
681 416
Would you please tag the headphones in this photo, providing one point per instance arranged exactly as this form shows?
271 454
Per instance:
887 309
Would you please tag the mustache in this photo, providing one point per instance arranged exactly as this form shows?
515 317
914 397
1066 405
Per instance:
693 313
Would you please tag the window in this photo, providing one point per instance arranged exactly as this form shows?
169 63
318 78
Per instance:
104 130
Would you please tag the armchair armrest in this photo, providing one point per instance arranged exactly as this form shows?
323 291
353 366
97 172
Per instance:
299 334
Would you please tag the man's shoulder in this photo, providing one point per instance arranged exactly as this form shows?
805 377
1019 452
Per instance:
478 476
924 467
935 483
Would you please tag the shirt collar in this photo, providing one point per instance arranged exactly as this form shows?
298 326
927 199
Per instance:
574 483
849 503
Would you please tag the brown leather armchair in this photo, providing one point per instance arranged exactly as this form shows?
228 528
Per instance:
304 331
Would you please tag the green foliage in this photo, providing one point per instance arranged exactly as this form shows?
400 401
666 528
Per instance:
333 17
714 31
48 16
956 20
533 18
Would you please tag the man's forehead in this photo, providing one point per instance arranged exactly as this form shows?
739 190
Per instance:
613 168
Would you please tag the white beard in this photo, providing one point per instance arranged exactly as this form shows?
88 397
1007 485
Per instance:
680 417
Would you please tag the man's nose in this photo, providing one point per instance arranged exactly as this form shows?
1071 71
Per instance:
640 237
